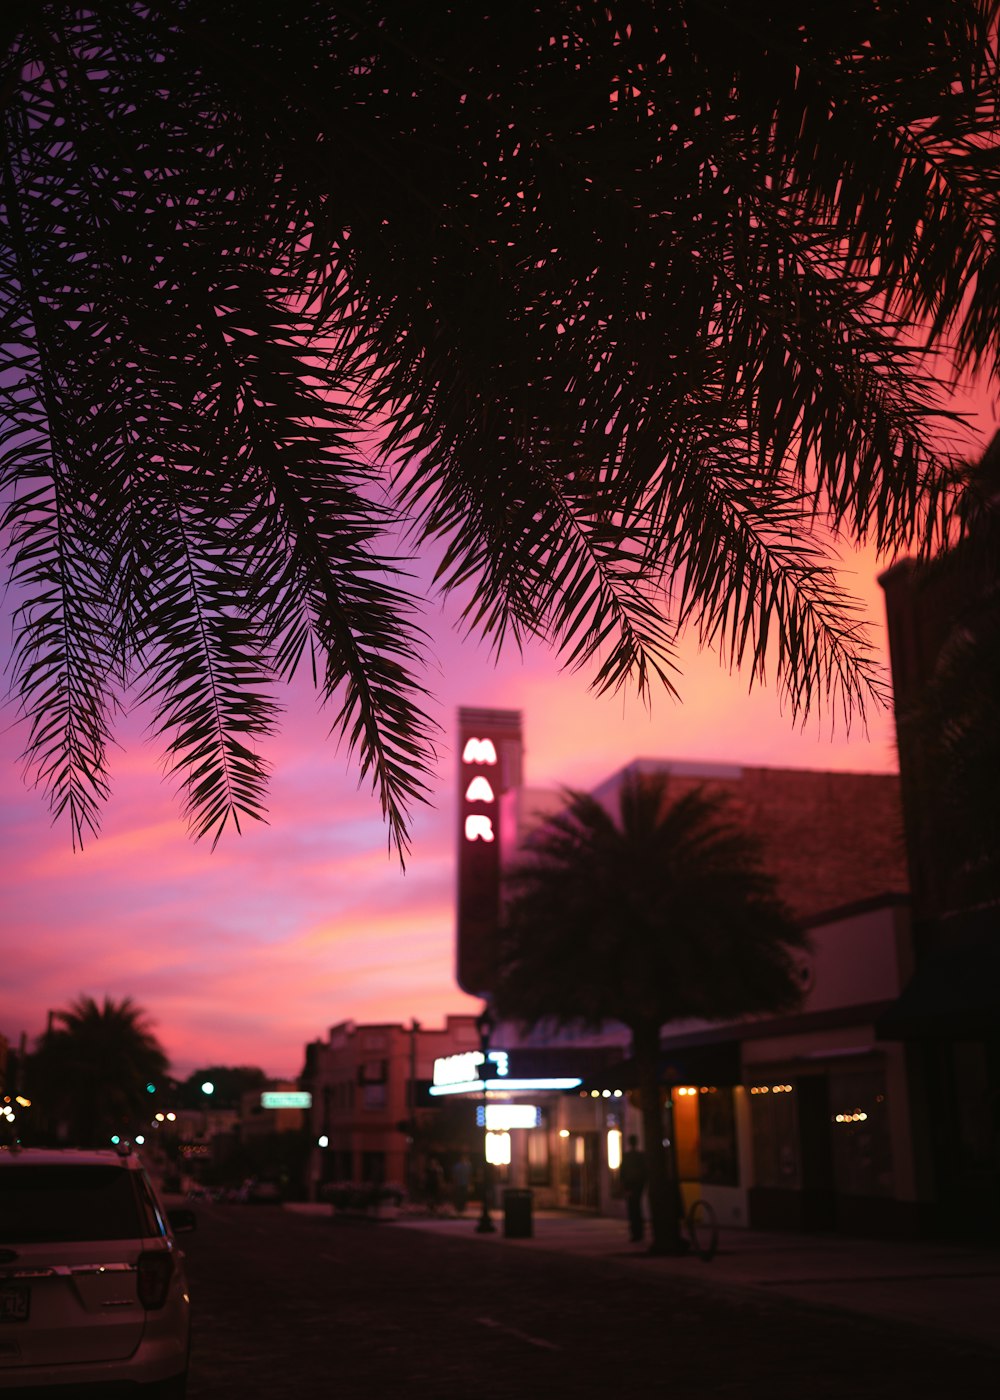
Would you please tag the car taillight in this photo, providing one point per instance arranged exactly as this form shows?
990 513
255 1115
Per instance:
153 1282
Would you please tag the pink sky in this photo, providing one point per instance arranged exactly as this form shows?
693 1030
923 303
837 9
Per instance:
244 954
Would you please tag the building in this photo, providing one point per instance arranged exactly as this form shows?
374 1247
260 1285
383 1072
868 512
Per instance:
948 1016
804 1121
372 1120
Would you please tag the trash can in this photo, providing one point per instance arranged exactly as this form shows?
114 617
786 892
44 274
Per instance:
517 1214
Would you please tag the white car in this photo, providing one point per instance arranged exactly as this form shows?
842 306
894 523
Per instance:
92 1285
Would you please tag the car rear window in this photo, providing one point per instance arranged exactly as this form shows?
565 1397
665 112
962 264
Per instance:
42 1202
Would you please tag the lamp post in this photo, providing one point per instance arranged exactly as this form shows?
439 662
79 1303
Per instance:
485 1025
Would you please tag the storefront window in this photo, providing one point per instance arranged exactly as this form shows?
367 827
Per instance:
862 1158
774 1123
717 1133
539 1165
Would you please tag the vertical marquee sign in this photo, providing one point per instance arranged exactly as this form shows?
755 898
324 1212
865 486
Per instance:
489 765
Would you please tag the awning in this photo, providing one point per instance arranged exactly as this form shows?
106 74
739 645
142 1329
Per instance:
955 992
717 1064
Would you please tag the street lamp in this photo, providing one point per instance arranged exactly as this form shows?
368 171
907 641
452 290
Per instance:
485 1025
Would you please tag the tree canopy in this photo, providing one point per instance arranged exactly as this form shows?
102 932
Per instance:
663 911
95 1072
612 304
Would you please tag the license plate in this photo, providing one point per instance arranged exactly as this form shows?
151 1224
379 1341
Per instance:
15 1303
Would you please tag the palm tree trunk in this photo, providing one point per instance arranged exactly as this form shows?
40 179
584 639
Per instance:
660 1181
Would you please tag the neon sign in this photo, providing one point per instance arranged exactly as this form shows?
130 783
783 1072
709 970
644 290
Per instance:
489 771
479 751
479 828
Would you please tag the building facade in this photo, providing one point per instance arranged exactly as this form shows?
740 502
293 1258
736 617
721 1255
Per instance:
372 1121
948 1016
804 1121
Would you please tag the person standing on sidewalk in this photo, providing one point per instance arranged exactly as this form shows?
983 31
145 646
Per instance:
633 1180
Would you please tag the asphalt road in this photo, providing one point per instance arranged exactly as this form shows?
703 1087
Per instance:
295 1306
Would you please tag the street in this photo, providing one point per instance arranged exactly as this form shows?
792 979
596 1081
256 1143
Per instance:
289 1305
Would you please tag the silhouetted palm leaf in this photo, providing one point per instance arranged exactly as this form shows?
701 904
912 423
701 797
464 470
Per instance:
614 303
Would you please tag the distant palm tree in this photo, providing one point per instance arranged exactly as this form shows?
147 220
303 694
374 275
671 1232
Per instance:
90 1072
663 914
610 304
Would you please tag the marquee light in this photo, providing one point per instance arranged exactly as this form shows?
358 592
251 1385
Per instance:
479 751
505 1117
479 828
479 790
462 1068
525 1086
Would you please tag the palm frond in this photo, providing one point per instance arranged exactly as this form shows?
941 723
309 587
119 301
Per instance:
614 288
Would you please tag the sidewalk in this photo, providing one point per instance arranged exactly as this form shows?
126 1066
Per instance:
948 1287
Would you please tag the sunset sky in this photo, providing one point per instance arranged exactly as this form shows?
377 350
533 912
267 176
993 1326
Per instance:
244 954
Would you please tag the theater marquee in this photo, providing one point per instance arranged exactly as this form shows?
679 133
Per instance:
490 749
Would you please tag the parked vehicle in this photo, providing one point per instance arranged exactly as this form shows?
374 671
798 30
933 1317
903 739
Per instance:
257 1191
92 1286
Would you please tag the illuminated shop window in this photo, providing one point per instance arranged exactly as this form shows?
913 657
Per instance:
539 1165
614 1149
498 1149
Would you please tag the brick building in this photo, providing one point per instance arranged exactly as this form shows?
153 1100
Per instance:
369 1088
806 1120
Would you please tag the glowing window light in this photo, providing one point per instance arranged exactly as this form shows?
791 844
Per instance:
685 1091
614 1149
479 751
498 1149
503 1117
479 790
479 828
564 1132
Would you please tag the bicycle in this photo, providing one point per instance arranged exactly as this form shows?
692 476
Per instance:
702 1229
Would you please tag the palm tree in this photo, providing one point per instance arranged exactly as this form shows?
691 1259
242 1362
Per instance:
663 914
90 1072
610 305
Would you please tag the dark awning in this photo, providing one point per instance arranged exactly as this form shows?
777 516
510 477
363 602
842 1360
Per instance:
717 1064
955 992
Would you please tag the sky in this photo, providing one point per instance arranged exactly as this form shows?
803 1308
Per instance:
244 954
